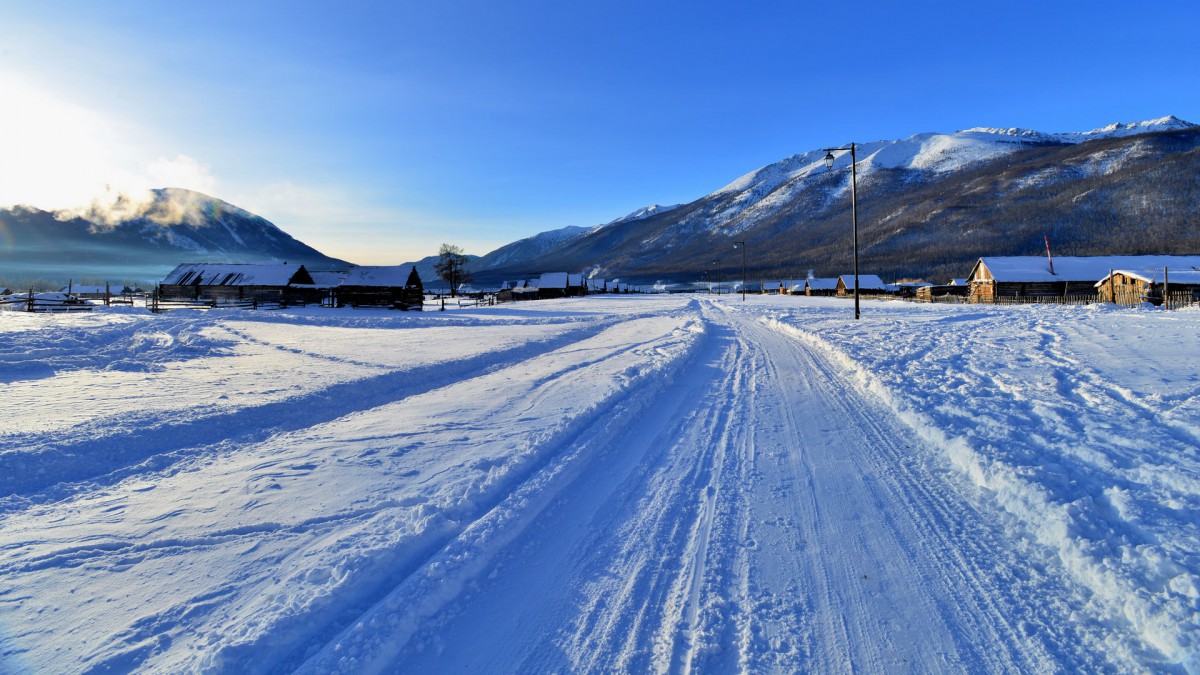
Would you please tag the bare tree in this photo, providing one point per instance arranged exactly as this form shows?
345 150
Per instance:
452 267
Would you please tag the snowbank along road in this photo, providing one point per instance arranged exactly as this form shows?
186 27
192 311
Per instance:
601 484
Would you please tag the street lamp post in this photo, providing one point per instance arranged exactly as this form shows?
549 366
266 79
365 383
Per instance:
742 245
853 208
717 263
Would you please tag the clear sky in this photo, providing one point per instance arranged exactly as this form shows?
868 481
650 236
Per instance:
376 131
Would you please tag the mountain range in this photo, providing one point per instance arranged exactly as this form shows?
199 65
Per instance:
928 206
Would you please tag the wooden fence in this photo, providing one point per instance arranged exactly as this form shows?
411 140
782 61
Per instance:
32 303
1081 299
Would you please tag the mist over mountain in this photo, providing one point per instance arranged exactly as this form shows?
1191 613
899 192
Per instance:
140 239
929 205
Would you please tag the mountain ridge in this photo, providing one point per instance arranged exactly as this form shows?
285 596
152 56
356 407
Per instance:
791 209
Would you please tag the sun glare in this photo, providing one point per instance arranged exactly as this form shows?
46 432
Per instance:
57 154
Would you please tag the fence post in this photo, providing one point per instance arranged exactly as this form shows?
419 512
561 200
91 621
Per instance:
1166 291
29 304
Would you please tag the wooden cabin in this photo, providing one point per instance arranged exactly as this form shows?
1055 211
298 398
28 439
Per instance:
941 292
770 287
821 287
264 282
1133 287
1038 278
394 286
868 284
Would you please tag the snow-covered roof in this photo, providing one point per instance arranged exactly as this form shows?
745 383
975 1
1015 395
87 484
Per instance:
1188 275
822 284
1014 269
596 284
575 280
391 276
958 282
327 279
237 274
771 285
553 280
865 282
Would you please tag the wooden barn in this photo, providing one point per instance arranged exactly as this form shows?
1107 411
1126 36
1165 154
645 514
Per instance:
264 282
1177 276
1064 278
868 284
941 293
395 286
821 286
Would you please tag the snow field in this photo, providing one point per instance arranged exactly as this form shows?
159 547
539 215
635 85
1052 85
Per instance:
278 535
664 484
1080 423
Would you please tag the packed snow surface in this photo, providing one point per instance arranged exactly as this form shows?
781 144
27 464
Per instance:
602 484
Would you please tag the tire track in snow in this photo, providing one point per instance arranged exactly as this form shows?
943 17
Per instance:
86 458
1016 613
482 524
596 481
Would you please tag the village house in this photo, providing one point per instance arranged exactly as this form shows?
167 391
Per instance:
770 286
868 284
394 286
823 286
1130 286
1065 278
792 286
263 282
575 285
950 292
553 285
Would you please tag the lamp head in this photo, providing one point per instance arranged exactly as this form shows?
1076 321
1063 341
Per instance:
829 160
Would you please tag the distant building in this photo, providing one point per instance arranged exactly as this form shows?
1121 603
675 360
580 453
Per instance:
396 286
553 285
271 282
822 286
867 284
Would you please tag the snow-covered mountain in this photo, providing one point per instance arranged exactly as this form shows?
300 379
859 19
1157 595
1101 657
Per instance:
512 257
140 238
959 194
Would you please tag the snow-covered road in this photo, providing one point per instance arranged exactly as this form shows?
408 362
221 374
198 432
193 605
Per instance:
601 484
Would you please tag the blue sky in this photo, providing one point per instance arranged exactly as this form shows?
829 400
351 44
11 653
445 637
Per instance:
376 131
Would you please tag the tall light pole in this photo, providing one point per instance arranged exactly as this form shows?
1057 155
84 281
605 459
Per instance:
717 263
742 245
853 208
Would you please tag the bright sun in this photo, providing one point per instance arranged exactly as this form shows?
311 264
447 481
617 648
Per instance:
56 154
